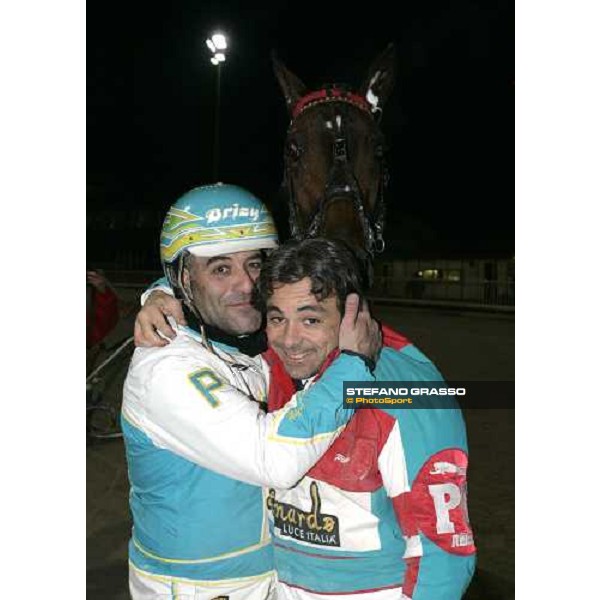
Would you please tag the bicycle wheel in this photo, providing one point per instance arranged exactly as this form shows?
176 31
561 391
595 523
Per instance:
103 422
106 393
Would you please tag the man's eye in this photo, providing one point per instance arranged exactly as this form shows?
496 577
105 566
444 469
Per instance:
275 320
221 270
312 321
255 265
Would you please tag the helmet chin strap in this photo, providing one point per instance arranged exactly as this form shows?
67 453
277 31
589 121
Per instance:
188 299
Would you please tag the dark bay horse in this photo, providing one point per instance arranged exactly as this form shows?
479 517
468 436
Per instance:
335 173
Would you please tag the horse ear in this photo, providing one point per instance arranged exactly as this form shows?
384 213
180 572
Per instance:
292 87
377 86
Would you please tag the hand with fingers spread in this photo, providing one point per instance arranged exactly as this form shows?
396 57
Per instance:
359 332
152 320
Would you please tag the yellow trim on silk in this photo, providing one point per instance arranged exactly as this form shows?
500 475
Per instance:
197 561
205 583
274 436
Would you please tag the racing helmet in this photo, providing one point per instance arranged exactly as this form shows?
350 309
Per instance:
211 220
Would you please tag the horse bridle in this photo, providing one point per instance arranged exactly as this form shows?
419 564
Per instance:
340 179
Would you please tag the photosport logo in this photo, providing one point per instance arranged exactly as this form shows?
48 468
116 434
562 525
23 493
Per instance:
403 395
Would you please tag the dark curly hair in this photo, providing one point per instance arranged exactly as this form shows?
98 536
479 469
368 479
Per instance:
330 266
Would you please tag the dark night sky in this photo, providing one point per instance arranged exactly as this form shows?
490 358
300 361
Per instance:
449 123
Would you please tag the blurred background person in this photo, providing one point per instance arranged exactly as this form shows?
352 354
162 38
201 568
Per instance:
102 313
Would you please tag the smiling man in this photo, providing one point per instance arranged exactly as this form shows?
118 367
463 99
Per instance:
301 329
227 308
376 497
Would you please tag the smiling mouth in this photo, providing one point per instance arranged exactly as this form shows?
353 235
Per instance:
296 358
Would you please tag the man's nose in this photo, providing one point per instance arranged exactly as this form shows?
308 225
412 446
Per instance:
290 336
244 282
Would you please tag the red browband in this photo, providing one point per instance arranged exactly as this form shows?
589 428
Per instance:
330 95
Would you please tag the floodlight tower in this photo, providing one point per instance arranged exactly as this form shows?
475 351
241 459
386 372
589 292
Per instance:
217 44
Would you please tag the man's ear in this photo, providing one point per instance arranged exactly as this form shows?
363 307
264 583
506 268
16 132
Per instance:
185 279
341 302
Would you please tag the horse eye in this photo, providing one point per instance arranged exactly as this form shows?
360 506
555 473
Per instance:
379 150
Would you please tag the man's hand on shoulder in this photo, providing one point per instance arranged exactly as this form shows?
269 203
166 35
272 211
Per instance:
152 320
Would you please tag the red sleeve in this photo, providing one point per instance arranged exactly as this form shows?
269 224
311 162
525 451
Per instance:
104 318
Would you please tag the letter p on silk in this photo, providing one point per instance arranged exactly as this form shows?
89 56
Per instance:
205 381
440 489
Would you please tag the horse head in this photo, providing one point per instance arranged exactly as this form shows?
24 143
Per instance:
335 172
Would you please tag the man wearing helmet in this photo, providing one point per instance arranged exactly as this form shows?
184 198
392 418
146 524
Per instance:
198 441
